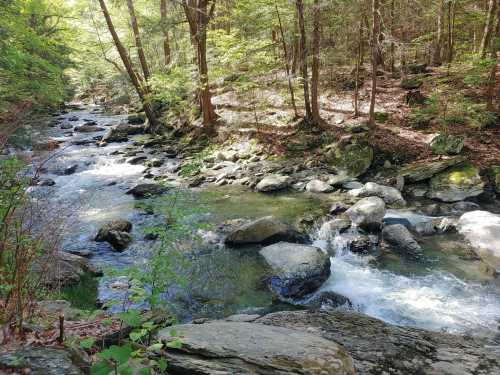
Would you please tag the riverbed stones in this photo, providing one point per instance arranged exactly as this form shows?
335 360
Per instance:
389 194
338 208
147 190
352 156
326 300
244 348
265 230
425 170
70 170
456 184
119 225
380 348
333 227
318 186
88 128
368 212
38 361
272 183
401 240
297 270
482 231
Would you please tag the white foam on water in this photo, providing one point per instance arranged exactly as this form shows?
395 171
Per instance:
438 301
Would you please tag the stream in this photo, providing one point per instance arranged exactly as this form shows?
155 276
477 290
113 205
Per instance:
444 293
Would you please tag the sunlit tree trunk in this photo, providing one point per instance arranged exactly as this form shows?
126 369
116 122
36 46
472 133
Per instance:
315 63
141 89
488 28
392 15
166 40
358 66
303 58
138 41
375 32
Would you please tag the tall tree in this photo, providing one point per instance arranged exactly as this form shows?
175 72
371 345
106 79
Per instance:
164 28
140 88
138 41
198 17
375 56
315 63
303 58
488 28
437 59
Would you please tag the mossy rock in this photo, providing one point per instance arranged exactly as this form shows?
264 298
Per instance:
136 119
381 116
456 184
495 174
416 68
411 83
353 158
447 144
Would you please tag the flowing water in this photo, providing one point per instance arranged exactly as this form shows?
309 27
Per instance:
445 292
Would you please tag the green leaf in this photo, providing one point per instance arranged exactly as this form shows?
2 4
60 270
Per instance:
87 343
131 318
145 371
175 344
137 335
101 368
162 364
156 347
119 354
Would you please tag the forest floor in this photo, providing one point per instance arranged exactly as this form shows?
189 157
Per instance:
266 113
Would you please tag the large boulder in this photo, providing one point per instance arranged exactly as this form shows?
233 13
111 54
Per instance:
116 233
265 230
380 348
318 186
482 230
38 361
425 170
368 212
121 132
297 270
273 183
332 228
227 347
147 190
401 240
351 157
389 194
456 184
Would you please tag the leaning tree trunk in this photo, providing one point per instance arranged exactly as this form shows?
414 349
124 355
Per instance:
375 32
142 90
166 41
315 63
488 28
138 41
303 59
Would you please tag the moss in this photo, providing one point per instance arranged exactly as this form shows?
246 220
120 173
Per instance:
82 295
354 158
495 174
381 116
466 175
446 144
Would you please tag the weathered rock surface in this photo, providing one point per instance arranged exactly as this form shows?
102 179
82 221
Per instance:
87 128
352 157
380 348
297 270
495 174
333 227
401 240
389 194
326 300
147 190
368 212
318 186
482 230
116 233
456 184
38 361
273 183
247 348
265 230
424 171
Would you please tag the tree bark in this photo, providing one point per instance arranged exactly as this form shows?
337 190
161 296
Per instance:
358 66
316 63
375 32
303 59
488 28
166 40
392 58
436 60
142 91
138 41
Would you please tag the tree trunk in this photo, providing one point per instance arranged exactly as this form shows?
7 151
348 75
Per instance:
358 65
303 59
138 41
375 32
451 24
315 63
488 28
142 91
166 41
392 15
436 60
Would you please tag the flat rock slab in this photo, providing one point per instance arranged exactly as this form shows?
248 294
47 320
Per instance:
247 348
38 361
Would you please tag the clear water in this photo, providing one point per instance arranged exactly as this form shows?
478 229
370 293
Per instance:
444 293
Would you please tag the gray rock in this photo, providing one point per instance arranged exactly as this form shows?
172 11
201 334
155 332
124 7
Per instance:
400 239
219 347
88 128
39 361
368 212
339 179
297 270
333 227
482 231
424 171
338 208
70 170
137 159
116 233
360 243
389 194
456 184
326 300
119 240
265 230
352 156
147 190
318 186
379 348
46 182
273 183
350 185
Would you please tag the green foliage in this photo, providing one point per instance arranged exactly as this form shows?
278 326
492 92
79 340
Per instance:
447 144
194 166
477 75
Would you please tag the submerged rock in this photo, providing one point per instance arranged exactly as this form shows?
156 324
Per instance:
243 348
297 270
400 239
389 194
264 230
326 300
39 361
273 183
482 231
368 212
380 348
147 190
456 184
116 233
318 186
